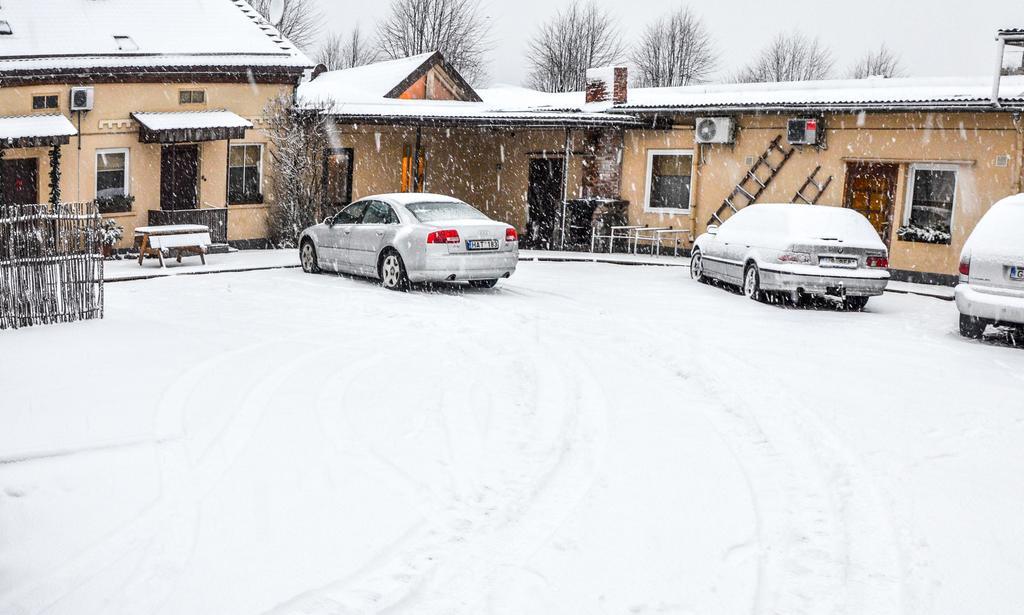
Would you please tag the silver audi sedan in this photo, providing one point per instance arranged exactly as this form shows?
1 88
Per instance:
408 238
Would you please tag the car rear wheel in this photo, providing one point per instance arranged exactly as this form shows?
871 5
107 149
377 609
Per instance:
483 283
697 267
972 327
308 257
392 272
752 283
855 304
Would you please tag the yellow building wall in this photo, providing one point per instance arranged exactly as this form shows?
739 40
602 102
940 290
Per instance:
486 168
972 141
109 125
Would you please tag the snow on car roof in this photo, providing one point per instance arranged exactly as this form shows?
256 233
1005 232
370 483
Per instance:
408 198
815 222
61 34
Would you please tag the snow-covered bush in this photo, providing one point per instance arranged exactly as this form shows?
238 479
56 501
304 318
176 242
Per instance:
921 234
108 233
300 141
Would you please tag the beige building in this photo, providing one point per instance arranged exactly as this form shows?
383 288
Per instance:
923 159
156 116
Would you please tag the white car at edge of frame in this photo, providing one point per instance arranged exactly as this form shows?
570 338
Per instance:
406 238
991 288
795 251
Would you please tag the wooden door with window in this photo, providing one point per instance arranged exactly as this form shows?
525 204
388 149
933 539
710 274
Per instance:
20 179
179 177
871 190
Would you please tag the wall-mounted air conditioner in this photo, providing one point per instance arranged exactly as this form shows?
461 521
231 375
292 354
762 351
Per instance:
804 131
81 99
714 130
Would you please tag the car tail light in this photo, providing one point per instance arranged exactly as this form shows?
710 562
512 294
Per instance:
795 257
965 266
511 235
880 262
445 236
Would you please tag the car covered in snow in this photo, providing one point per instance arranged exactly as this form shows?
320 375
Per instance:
794 251
991 288
412 237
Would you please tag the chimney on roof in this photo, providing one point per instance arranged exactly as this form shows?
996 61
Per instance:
1013 37
607 84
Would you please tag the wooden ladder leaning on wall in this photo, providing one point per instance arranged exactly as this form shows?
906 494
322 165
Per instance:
811 197
752 186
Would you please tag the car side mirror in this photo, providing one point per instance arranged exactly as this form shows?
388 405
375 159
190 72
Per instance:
329 220
712 229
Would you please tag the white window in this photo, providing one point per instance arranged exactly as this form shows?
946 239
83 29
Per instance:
111 173
931 200
669 176
245 174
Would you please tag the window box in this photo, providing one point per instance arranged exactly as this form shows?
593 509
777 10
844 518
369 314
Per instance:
920 234
115 204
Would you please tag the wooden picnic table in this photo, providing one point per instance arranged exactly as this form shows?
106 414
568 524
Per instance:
181 239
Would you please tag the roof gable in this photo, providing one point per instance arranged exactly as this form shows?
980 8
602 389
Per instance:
433 69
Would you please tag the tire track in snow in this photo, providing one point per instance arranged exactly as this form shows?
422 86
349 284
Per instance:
508 511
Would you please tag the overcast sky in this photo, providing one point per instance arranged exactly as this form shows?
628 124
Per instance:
933 37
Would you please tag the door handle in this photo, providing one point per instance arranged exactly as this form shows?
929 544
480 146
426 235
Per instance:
380 233
348 231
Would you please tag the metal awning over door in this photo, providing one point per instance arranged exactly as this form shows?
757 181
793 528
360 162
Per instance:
190 126
35 131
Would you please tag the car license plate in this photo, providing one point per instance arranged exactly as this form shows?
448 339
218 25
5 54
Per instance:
481 244
837 261
1017 274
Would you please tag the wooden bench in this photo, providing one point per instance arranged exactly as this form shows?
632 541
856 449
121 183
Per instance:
179 239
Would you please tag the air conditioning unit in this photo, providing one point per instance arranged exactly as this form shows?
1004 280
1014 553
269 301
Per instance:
714 130
805 131
81 99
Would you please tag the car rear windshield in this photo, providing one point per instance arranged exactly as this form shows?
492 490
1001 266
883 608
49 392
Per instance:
444 211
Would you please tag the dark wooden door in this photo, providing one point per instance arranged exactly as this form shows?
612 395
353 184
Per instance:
871 190
179 177
544 201
20 178
338 179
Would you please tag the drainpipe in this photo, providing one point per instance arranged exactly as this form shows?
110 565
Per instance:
565 185
998 77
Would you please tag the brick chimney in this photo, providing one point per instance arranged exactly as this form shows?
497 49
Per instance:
607 84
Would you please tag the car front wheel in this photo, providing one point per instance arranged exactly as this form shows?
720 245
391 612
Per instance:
752 283
697 267
308 257
392 272
972 327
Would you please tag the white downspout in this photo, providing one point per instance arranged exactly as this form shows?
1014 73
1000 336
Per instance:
997 79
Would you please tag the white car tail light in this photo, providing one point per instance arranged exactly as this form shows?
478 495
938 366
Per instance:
511 235
878 262
965 266
795 257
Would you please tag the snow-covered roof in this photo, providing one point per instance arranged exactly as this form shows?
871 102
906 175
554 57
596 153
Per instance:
360 94
34 129
54 35
176 120
944 93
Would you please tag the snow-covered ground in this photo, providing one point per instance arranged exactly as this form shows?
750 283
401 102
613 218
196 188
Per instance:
586 438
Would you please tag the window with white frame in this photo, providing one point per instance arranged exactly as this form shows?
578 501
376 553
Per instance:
931 198
669 175
245 174
112 194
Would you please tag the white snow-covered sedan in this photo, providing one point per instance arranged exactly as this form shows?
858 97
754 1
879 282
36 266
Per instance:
412 237
796 251
991 289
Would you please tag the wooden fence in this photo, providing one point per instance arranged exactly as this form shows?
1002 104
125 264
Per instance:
51 269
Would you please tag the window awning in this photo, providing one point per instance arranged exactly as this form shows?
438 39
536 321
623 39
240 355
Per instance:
189 126
35 130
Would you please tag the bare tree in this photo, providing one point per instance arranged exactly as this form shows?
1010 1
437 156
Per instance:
880 63
674 50
339 52
456 28
300 141
300 20
579 37
790 57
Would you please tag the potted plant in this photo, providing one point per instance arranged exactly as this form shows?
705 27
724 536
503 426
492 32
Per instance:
108 233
